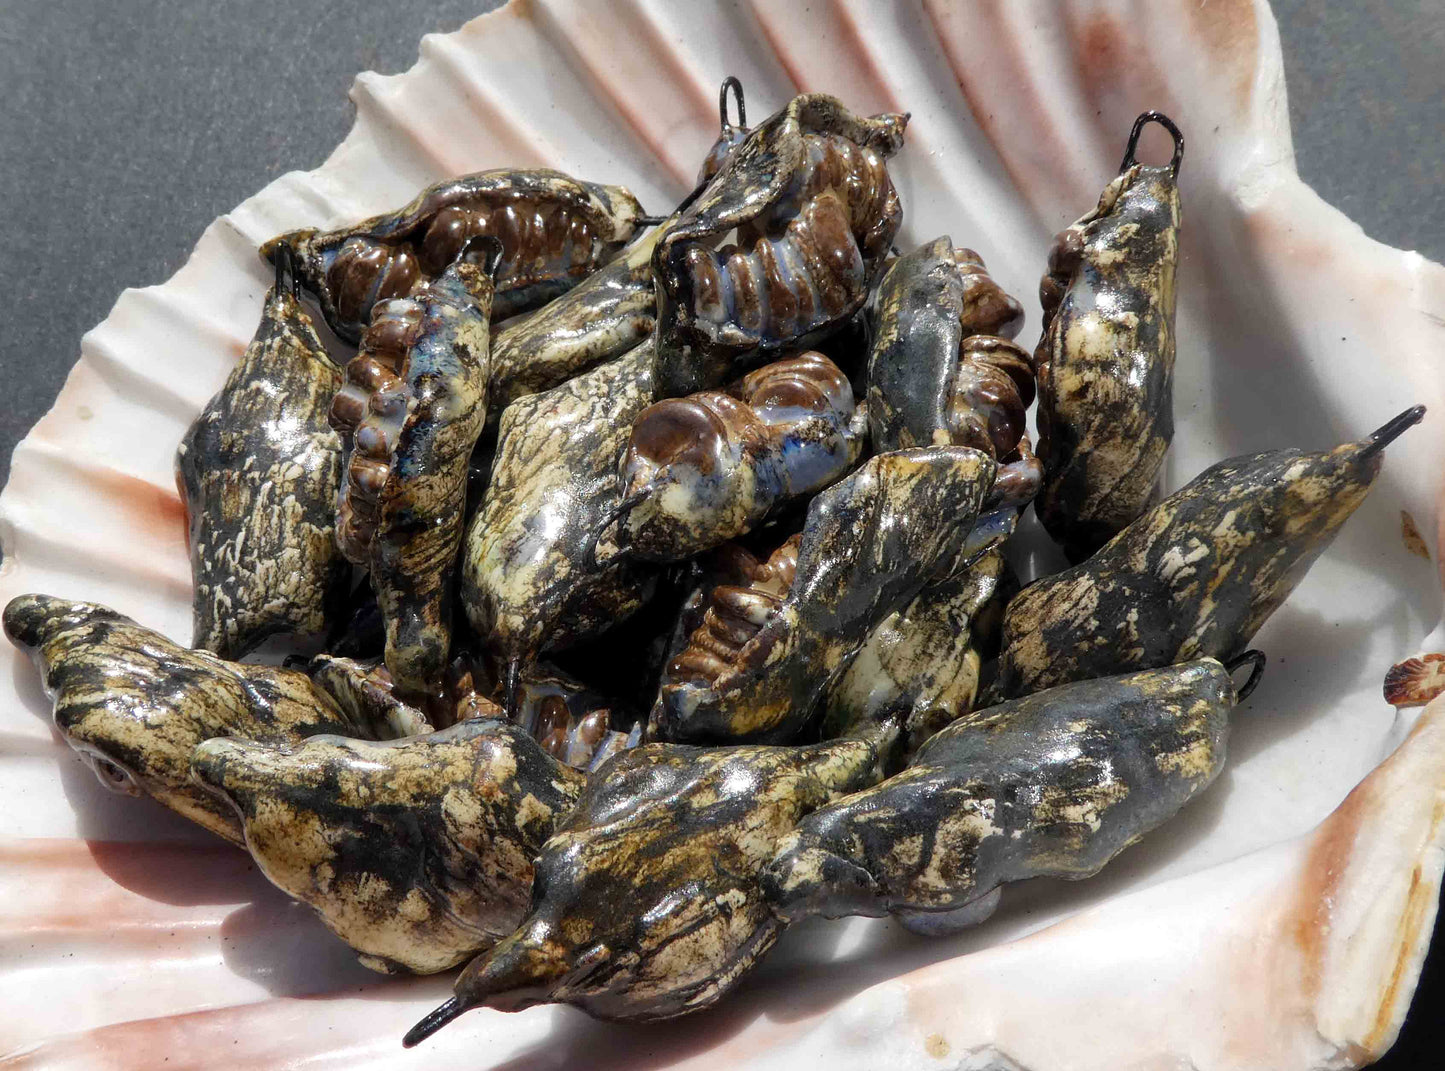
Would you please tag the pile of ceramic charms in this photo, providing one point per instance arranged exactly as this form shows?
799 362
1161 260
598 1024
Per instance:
659 567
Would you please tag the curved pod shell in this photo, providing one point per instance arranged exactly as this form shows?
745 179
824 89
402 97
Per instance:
1198 574
941 368
807 192
1054 785
259 471
604 316
863 554
920 665
1154 961
416 852
554 231
648 904
701 470
136 705
1106 359
413 406
534 574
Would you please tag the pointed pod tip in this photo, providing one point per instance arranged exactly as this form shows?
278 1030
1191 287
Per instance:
433 1021
1393 429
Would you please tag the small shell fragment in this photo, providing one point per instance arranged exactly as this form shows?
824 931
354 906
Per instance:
1415 681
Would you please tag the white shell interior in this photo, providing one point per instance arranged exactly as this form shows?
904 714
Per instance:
1241 935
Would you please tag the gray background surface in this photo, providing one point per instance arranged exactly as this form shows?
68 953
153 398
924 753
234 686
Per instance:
127 127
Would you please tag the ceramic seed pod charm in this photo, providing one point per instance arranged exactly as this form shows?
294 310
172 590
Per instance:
870 544
259 471
416 852
1054 785
808 195
610 312
553 229
710 467
735 596
647 904
941 368
1198 574
135 705
414 403
1106 359
920 666
535 574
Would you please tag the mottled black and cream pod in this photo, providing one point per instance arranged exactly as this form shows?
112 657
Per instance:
920 666
870 544
414 404
913 320
646 902
416 852
259 471
808 197
925 386
1106 360
554 231
1053 785
607 314
1197 575
135 705
701 470
535 573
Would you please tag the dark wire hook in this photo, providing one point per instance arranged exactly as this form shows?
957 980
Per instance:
731 82
288 263
1255 660
1139 125
626 506
490 259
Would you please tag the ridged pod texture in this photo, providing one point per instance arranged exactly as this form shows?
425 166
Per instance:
808 194
412 408
554 231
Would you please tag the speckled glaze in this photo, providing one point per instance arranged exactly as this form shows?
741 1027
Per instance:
1106 360
604 316
701 470
864 553
941 368
1198 574
146 937
135 705
807 193
367 697
416 852
554 231
260 470
535 574
920 666
412 407
1054 785
648 904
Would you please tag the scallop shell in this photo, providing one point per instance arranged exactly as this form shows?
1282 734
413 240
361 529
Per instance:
1280 922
